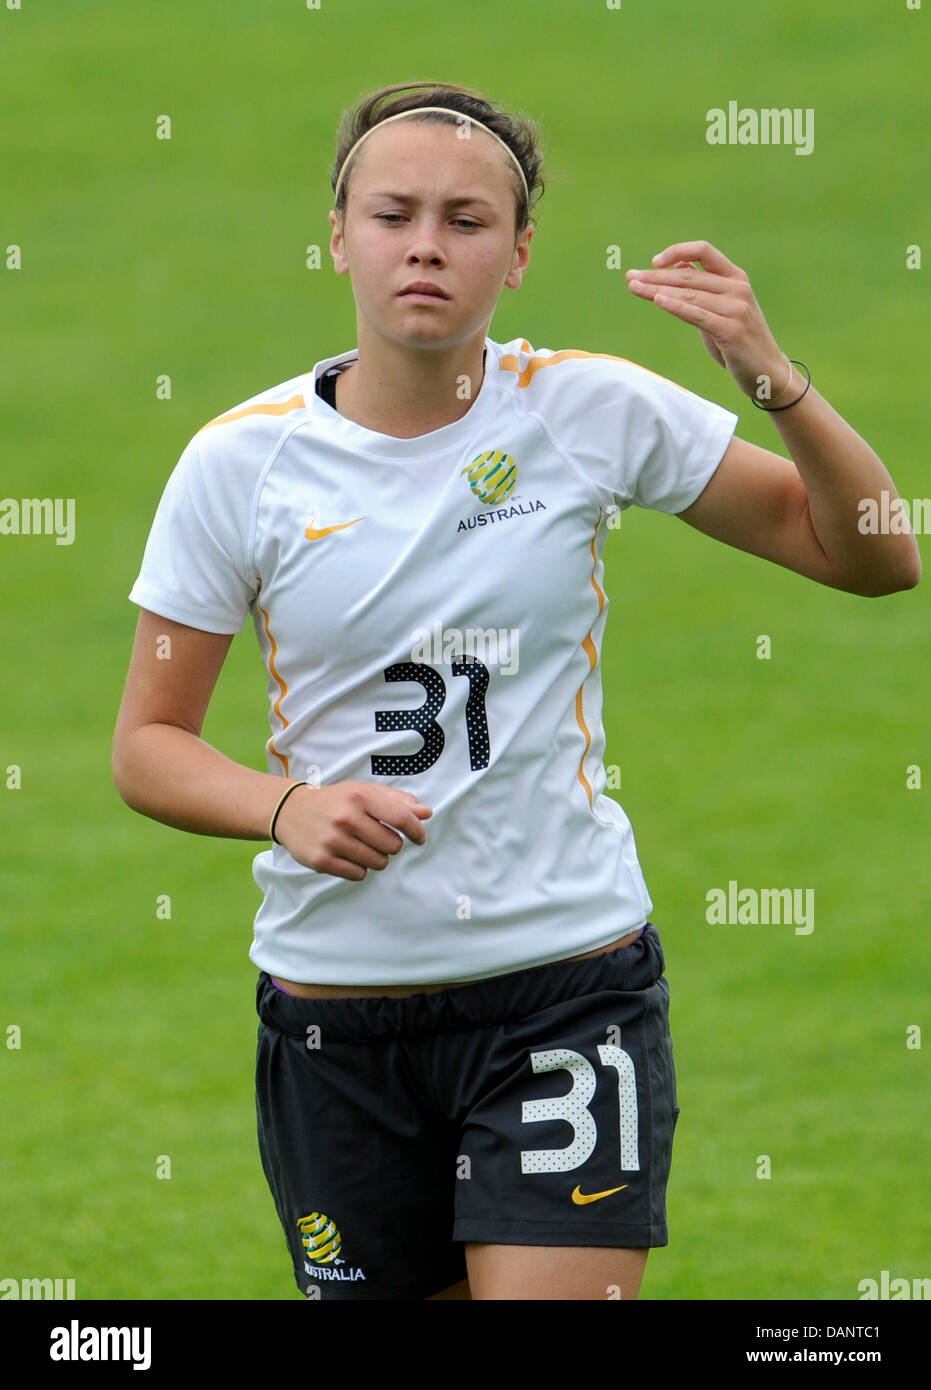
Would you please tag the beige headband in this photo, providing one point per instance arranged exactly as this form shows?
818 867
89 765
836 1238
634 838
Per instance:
415 110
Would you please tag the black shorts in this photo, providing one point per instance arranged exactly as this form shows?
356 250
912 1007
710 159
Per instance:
534 1108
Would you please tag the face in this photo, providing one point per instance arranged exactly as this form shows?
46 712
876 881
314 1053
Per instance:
424 204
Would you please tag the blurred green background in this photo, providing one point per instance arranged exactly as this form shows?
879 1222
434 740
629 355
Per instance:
143 256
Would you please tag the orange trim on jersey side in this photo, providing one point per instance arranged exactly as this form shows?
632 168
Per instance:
284 690
524 378
588 647
273 408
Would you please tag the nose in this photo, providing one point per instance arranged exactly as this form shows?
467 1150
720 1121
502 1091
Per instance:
425 245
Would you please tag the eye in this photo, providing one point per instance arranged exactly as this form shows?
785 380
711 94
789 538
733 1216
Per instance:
390 217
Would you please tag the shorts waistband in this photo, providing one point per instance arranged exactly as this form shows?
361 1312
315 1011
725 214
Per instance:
477 1005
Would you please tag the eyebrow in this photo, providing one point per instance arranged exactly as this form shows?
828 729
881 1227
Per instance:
409 198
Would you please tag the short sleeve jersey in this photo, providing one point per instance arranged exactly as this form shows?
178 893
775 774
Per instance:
431 613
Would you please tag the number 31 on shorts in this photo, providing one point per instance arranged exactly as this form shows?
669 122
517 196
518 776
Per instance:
573 1107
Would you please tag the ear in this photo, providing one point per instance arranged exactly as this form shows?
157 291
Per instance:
521 258
340 264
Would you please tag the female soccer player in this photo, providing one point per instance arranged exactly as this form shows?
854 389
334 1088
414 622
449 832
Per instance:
465 1082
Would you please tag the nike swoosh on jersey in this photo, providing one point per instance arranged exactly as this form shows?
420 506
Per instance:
313 534
581 1198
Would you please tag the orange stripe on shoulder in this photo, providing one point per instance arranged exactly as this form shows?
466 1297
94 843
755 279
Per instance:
510 363
272 408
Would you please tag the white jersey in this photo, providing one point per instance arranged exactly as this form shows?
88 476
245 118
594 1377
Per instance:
431 613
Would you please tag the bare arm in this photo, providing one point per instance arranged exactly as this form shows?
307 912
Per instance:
163 769
804 514
161 766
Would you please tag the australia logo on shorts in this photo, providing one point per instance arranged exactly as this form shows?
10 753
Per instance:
323 1243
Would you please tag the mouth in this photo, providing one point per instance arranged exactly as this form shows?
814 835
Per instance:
423 291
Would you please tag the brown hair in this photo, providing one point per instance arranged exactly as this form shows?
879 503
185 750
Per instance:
521 135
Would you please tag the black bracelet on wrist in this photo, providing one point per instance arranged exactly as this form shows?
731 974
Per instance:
271 828
771 409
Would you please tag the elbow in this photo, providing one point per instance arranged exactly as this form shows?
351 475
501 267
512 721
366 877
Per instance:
890 584
116 772
910 574
120 771
905 574
912 579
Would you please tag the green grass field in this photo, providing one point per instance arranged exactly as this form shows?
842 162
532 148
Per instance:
186 256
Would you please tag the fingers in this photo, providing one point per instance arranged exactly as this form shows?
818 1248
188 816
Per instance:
696 306
710 257
714 296
345 868
358 845
689 313
685 276
351 827
369 827
392 807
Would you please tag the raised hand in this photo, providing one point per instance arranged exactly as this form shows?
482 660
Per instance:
715 295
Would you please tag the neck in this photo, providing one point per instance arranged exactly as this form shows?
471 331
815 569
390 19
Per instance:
407 392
